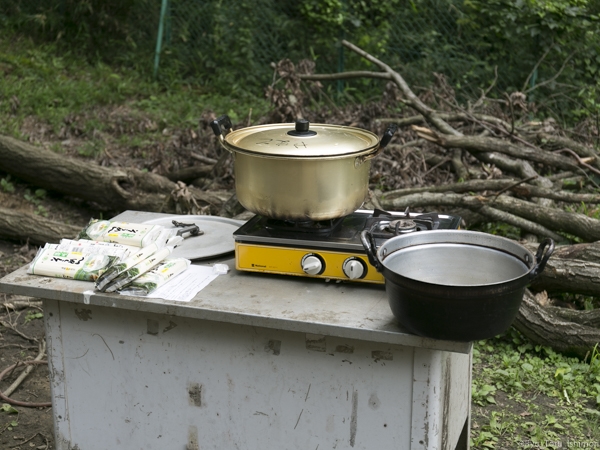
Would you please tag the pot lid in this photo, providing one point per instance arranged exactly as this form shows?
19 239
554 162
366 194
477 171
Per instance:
216 238
302 140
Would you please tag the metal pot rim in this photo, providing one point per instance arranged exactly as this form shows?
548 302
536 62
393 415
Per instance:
458 237
329 141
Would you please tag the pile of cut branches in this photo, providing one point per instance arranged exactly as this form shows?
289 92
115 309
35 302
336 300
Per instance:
503 169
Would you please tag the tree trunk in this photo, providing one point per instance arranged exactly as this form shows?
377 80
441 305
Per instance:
571 269
36 229
543 327
112 189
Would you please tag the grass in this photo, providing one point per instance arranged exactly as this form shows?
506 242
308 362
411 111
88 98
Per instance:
523 396
529 396
526 396
37 81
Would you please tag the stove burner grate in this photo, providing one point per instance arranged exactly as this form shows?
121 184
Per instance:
323 227
386 225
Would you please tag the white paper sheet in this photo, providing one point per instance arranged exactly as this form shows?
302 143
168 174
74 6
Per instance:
186 285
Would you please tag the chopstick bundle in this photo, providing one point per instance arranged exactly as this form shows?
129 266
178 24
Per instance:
156 277
137 270
117 269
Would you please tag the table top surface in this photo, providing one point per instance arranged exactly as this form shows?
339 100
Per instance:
350 310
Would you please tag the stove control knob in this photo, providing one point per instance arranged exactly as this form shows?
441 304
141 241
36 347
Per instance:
312 264
354 268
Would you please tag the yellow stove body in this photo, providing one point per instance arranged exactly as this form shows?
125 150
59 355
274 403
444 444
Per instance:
289 261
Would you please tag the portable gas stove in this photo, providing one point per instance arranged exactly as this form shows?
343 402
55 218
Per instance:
329 249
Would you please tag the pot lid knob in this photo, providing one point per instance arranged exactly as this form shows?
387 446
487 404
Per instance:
302 129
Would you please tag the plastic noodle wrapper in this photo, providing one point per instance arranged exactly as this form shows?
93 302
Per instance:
84 244
120 267
85 266
136 234
156 277
139 269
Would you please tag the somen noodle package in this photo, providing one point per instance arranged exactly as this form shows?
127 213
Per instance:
86 265
136 234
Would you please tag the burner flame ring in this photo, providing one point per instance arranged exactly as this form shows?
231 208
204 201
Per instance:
401 226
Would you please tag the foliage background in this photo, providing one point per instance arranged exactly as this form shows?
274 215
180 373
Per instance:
549 49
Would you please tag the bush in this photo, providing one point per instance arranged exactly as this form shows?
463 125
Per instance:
549 49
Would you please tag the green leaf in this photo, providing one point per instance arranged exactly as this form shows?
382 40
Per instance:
593 412
8 409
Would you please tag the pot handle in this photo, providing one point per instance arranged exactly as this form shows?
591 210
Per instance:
383 142
387 136
366 237
541 258
223 122
220 124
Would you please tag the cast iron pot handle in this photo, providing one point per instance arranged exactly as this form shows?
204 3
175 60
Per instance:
366 237
541 258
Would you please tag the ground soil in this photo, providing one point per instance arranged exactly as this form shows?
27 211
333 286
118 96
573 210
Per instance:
30 427
22 334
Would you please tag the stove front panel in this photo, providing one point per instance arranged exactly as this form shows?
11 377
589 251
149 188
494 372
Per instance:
293 261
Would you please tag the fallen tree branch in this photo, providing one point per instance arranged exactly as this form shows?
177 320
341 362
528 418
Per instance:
13 387
475 144
521 168
583 252
569 276
537 218
13 328
581 162
497 186
413 100
18 302
344 76
565 142
586 228
513 186
448 117
543 327
110 188
18 402
571 269
474 203
519 222
589 318
38 230
190 174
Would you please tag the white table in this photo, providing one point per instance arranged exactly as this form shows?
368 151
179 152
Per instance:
254 361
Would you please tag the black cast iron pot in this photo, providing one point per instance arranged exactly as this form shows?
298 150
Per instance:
455 284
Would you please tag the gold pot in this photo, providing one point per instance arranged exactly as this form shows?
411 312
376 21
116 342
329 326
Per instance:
301 171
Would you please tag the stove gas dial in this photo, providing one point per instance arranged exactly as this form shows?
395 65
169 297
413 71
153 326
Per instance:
354 268
312 264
